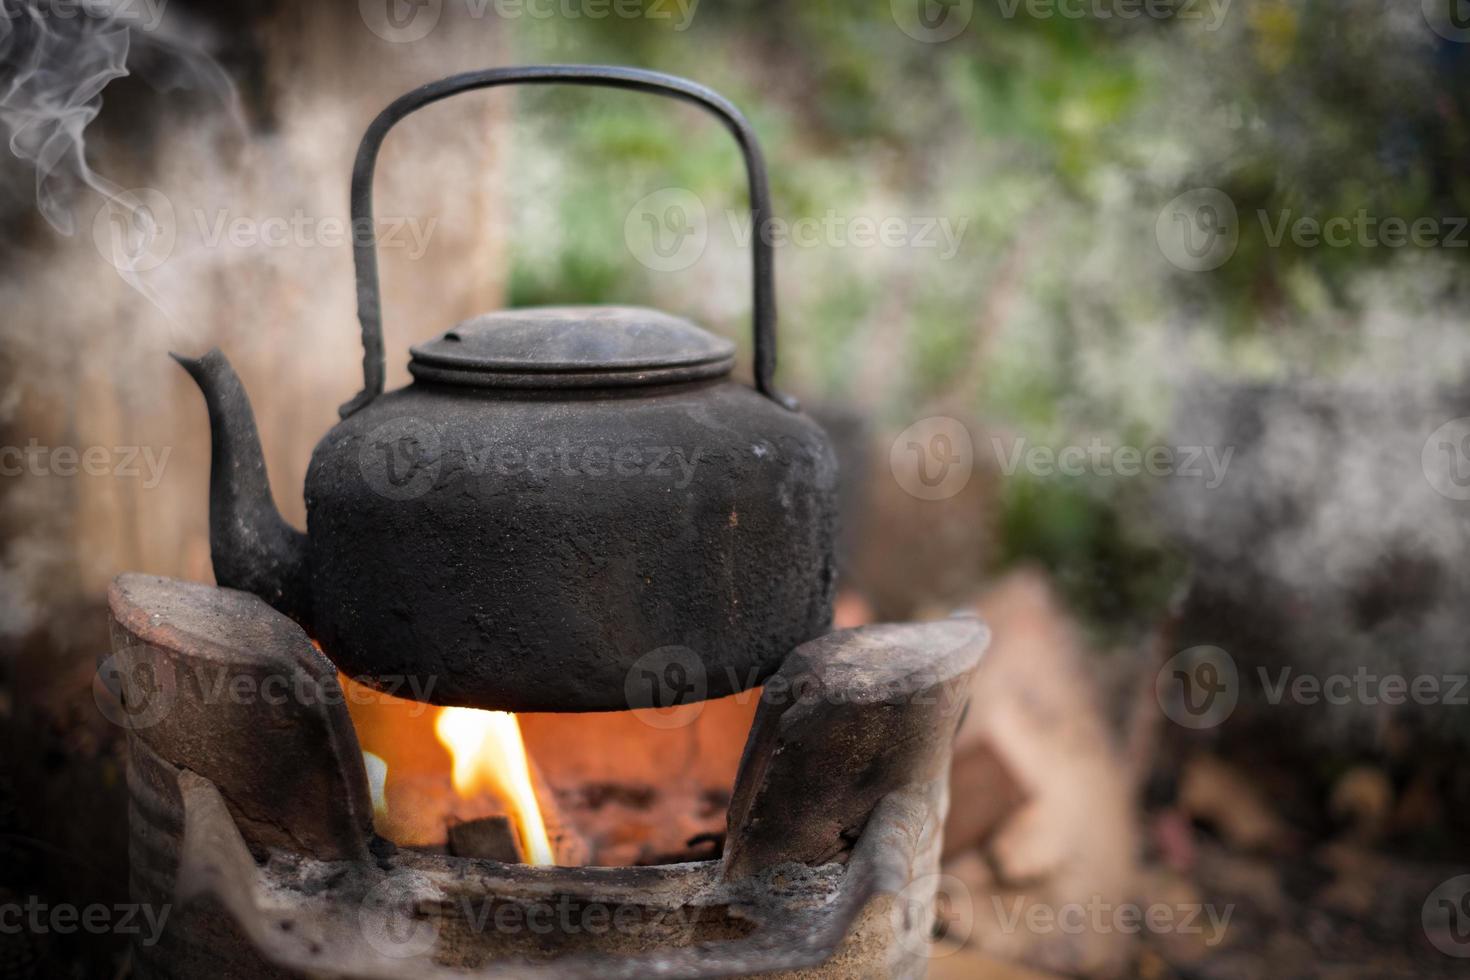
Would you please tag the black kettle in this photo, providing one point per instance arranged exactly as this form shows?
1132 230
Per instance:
568 509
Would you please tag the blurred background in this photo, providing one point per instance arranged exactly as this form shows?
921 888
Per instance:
1140 327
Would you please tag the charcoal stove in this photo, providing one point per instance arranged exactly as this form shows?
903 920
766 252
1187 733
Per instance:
252 820
255 813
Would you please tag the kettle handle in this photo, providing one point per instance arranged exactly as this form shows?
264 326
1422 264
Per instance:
364 251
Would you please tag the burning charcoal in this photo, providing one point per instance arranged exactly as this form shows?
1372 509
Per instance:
489 837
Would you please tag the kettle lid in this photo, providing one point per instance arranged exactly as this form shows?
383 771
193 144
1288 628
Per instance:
573 347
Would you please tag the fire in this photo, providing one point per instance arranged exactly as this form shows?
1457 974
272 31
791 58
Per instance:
377 776
489 755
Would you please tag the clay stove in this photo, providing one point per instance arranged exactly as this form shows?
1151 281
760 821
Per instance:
283 849
253 819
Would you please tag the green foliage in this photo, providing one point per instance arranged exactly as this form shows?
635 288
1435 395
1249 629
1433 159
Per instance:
1055 143
1113 571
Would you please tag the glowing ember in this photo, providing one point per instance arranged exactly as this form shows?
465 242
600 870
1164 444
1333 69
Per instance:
489 754
377 777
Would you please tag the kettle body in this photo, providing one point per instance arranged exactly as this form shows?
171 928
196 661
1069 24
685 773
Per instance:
568 509
575 550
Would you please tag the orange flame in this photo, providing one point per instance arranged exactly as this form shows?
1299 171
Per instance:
489 755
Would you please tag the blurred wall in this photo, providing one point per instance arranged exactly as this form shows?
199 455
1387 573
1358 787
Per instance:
86 362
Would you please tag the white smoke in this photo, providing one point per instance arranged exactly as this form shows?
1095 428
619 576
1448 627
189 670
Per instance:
57 57
83 355
1337 526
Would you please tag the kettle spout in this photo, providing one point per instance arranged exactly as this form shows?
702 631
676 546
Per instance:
253 547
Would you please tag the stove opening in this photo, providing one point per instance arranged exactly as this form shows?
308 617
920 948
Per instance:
618 789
